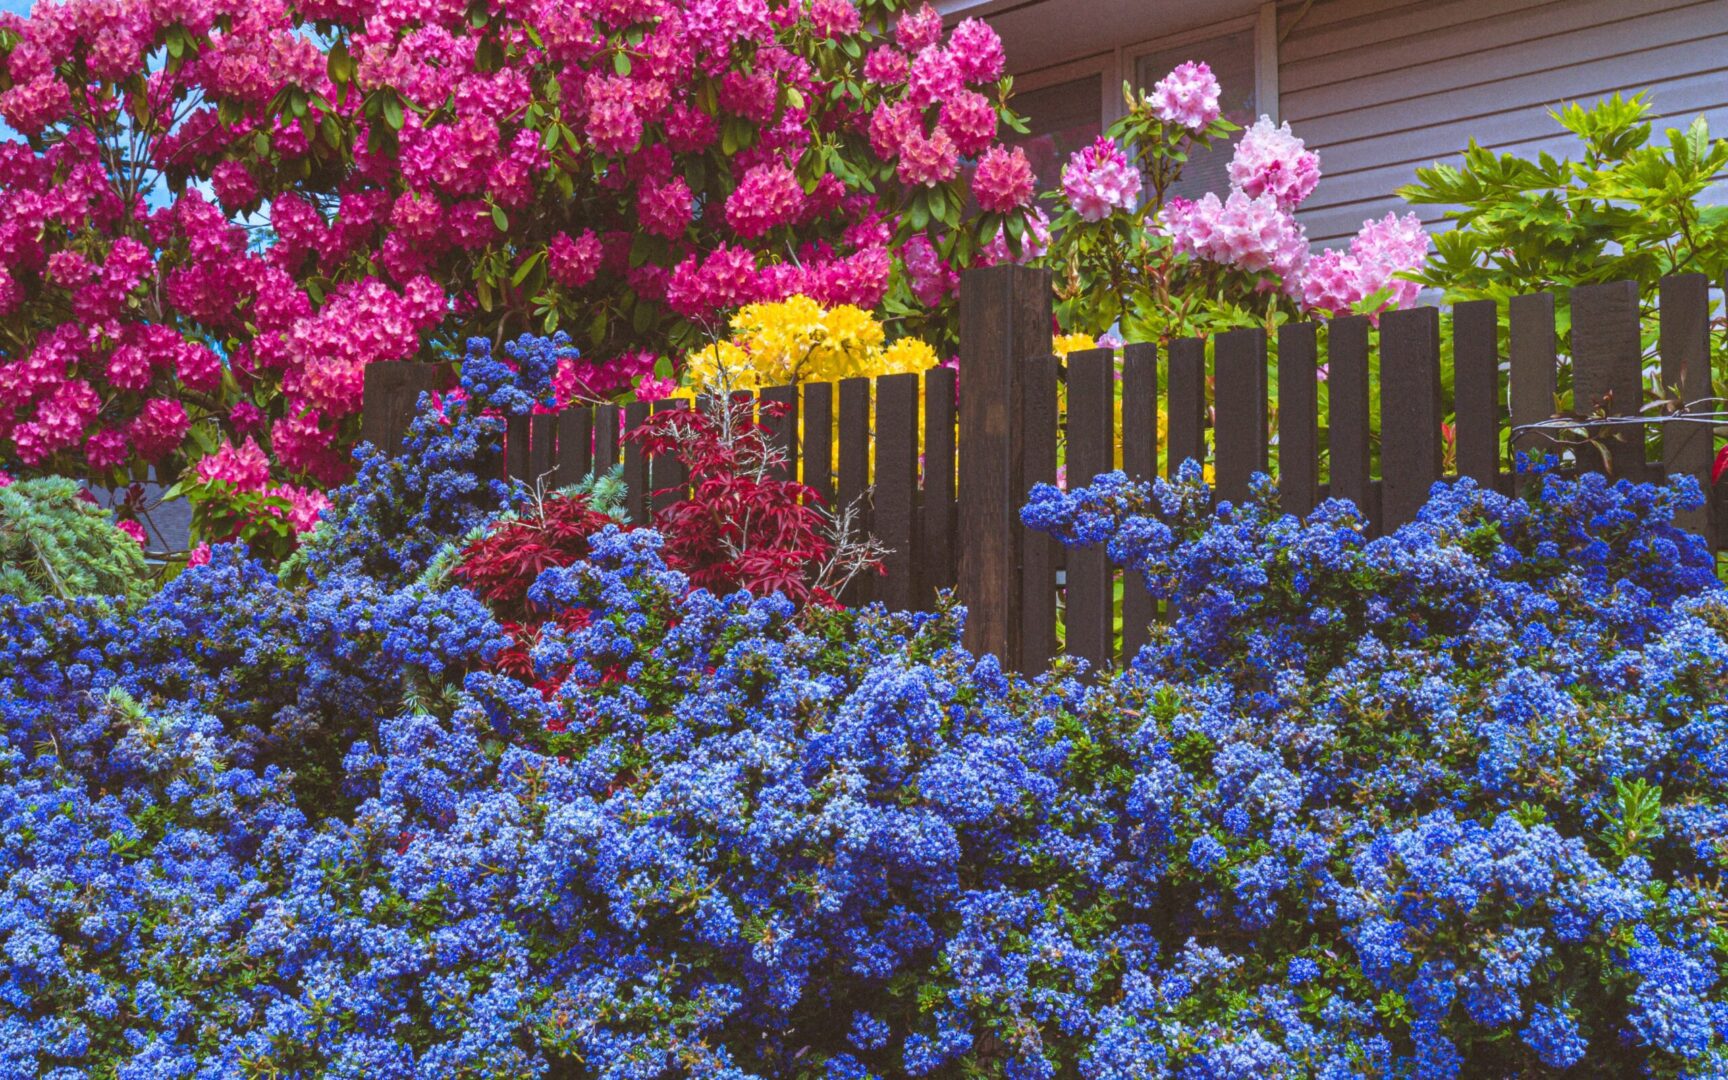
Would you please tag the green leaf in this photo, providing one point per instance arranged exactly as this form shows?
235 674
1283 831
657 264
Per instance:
392 106
621 62
527 267
500 219
938 203
340 65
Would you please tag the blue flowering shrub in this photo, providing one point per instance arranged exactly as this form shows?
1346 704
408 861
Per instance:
1443 803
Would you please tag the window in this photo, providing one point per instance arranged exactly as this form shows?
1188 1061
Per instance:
1231 57
1062 118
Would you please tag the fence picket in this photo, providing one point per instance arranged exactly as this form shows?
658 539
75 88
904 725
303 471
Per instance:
854 453
817 449
668 479
894 502
1533 374
1005 317
1410 412
1239 410
1187 424
575 443
1476 390
606 420
1347 421
516 448
1683 339
1091 446
540 447
1037 578
636 484
1298 417
783 429
1608 371
936 556
1140 462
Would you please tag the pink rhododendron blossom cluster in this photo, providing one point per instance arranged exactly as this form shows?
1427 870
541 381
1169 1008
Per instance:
1098 181
246 469
1187 97
220 214
1271 159
1137 256
1253 228
1337 280
1003 180
1253 234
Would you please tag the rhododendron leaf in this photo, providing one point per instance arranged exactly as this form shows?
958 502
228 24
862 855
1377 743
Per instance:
621 62
340 65
528 266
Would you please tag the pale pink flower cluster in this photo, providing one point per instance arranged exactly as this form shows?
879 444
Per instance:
1188 96
1252 229
1003 181
1099 180
1249 233
1339 280
1272 159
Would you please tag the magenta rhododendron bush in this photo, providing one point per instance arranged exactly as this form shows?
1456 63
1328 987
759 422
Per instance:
215 215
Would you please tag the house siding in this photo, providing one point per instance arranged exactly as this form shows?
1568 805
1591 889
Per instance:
1382 87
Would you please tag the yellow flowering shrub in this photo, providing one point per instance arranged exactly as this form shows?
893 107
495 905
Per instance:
798 341
1063 344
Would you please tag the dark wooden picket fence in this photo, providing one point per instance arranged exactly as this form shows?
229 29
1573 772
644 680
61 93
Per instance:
948 505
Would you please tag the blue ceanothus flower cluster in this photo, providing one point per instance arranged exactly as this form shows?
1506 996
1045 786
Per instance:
1442 803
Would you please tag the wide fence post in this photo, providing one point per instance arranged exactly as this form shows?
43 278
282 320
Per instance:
1005 321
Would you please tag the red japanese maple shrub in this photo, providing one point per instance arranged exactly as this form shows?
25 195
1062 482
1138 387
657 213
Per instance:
500 566
743 524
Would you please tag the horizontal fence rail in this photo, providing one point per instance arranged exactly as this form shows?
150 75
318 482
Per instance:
937 465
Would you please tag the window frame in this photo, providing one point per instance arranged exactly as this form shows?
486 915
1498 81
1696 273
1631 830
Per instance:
1116 65
1107 66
